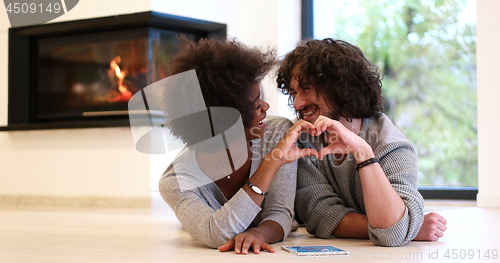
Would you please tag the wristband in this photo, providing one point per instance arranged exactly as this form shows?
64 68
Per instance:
365 163
256 189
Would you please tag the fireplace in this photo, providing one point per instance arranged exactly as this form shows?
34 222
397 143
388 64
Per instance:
82 73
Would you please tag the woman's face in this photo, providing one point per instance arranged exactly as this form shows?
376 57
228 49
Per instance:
256 131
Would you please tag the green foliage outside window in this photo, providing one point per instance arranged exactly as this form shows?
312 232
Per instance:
426 51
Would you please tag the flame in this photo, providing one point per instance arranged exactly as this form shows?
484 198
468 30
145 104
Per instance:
125 93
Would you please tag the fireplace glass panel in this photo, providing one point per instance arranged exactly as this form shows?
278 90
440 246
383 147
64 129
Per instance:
94 75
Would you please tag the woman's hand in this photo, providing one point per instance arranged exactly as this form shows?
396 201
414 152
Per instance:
287 151
248 239
341 140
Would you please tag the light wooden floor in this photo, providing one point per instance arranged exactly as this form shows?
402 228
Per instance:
156 236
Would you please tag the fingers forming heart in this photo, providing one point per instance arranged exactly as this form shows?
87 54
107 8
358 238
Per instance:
340 140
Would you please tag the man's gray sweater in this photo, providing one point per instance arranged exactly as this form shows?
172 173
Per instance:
327 191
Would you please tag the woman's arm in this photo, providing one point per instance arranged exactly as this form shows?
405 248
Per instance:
196 210
277 211
257 238
215 227
285 152
277 215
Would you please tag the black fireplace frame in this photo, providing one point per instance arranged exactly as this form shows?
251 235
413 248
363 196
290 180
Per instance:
22 56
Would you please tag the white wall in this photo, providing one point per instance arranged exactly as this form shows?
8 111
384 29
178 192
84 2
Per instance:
104 162
81 162
488 106
274 23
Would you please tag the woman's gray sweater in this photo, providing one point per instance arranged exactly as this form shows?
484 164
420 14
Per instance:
208 216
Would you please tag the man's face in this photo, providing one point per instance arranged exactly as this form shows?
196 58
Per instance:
306 101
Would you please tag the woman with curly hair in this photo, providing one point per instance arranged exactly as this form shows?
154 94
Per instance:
248 203
364 184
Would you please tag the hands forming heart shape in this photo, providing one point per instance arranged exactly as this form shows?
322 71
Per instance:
340 140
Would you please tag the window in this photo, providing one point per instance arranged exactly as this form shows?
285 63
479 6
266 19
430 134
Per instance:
426 51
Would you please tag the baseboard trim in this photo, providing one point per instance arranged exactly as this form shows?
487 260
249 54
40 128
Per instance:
71 202
488 200
449 193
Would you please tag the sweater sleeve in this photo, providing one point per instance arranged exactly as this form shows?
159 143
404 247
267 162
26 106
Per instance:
212 227
278 204
316 202
399 162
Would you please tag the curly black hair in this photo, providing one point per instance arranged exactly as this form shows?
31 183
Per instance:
226 71
339 72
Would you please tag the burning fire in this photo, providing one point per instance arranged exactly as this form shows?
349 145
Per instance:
125 94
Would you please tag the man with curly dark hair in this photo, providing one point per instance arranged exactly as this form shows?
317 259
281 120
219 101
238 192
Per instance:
236 194
364 184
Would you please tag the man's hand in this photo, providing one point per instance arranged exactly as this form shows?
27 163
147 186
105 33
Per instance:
242 242
432 229
340 139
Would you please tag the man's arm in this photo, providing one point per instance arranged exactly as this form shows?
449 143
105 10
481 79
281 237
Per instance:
355 225
383 205
376 205
393 206
316 202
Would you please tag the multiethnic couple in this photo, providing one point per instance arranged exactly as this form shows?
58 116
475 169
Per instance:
343 168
